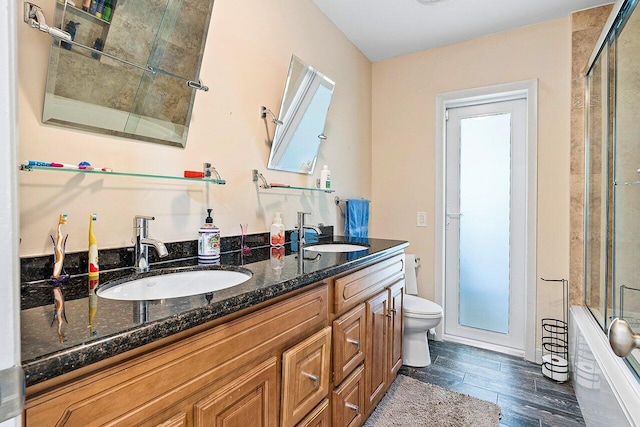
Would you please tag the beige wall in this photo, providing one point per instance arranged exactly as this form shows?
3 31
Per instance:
249 46
403 132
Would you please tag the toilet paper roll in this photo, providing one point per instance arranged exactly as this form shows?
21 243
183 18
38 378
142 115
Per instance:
411 283
555 367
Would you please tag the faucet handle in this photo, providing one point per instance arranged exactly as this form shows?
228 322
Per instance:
141 220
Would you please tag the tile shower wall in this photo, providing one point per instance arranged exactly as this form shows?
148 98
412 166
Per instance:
175 50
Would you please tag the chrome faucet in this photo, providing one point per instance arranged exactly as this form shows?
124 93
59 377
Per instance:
142 242
302 226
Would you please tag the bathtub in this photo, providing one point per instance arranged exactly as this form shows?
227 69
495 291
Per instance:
606 389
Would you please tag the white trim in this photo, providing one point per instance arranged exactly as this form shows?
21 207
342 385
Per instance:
484 345
524 89
9 227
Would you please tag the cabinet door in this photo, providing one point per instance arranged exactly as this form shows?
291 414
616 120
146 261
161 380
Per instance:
377 347
250 400
348 401
395 329
305 376
319 417
348 342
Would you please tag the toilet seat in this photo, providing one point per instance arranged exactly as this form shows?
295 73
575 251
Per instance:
417 307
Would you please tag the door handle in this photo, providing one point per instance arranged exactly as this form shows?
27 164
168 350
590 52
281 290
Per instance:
454 214
352 406
354 342
622 339
313 378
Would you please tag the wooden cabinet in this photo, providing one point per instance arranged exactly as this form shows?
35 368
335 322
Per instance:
250 400
376 377
241 357
270 367
348 400
373 296
305 376
349 342
395 329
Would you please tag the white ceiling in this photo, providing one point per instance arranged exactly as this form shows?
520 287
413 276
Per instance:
383 29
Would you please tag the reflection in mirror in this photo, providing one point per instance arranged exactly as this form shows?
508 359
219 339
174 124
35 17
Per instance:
128 75
305 104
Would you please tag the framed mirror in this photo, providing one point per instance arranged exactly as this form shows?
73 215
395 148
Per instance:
303 113
132 73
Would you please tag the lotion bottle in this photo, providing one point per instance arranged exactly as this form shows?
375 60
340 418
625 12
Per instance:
208 241
277 231
325 178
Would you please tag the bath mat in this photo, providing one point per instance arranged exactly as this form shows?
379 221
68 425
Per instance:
410 402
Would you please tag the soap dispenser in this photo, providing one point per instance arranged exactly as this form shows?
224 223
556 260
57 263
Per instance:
277 231
208 241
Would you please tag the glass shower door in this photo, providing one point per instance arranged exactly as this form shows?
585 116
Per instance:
626 221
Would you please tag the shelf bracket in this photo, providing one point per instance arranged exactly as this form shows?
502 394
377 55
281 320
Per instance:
34 17
257 175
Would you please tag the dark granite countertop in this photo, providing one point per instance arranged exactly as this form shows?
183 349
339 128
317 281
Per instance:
120 326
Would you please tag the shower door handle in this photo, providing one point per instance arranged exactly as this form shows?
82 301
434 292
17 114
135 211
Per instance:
622 339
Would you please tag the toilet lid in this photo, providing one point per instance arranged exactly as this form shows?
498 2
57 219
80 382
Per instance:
420 306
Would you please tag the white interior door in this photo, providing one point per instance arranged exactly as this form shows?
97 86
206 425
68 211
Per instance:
485 217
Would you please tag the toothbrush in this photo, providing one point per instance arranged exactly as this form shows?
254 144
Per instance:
58 277
93 253
94 272
58 250
58 311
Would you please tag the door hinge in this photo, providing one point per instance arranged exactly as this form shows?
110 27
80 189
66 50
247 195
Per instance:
446 114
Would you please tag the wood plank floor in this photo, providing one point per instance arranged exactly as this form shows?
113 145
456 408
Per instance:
526 397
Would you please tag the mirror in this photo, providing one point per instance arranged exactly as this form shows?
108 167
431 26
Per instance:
303 112
131 74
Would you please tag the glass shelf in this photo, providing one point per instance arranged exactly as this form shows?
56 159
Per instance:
266 186
291 187
628 183
130 174
83 13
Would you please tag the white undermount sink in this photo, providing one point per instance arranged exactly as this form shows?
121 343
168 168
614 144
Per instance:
336 247
174 285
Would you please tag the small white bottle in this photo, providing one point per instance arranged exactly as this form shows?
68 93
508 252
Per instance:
277 231
208 241
325 178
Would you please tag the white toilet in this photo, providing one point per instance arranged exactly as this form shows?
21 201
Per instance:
420 315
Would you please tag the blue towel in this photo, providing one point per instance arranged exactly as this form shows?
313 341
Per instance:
356 221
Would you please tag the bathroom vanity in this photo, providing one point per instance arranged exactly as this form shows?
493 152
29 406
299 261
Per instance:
315 344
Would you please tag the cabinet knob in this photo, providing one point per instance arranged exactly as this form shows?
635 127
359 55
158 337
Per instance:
389 315
354 342
352 406
313 378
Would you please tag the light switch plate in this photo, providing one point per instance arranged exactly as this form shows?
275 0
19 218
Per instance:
422 219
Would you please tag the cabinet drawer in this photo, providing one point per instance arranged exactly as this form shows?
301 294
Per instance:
352 289
348 400
305 376
348 342
251 399
319 417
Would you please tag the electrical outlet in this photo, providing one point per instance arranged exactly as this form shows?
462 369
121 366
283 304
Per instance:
422 219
